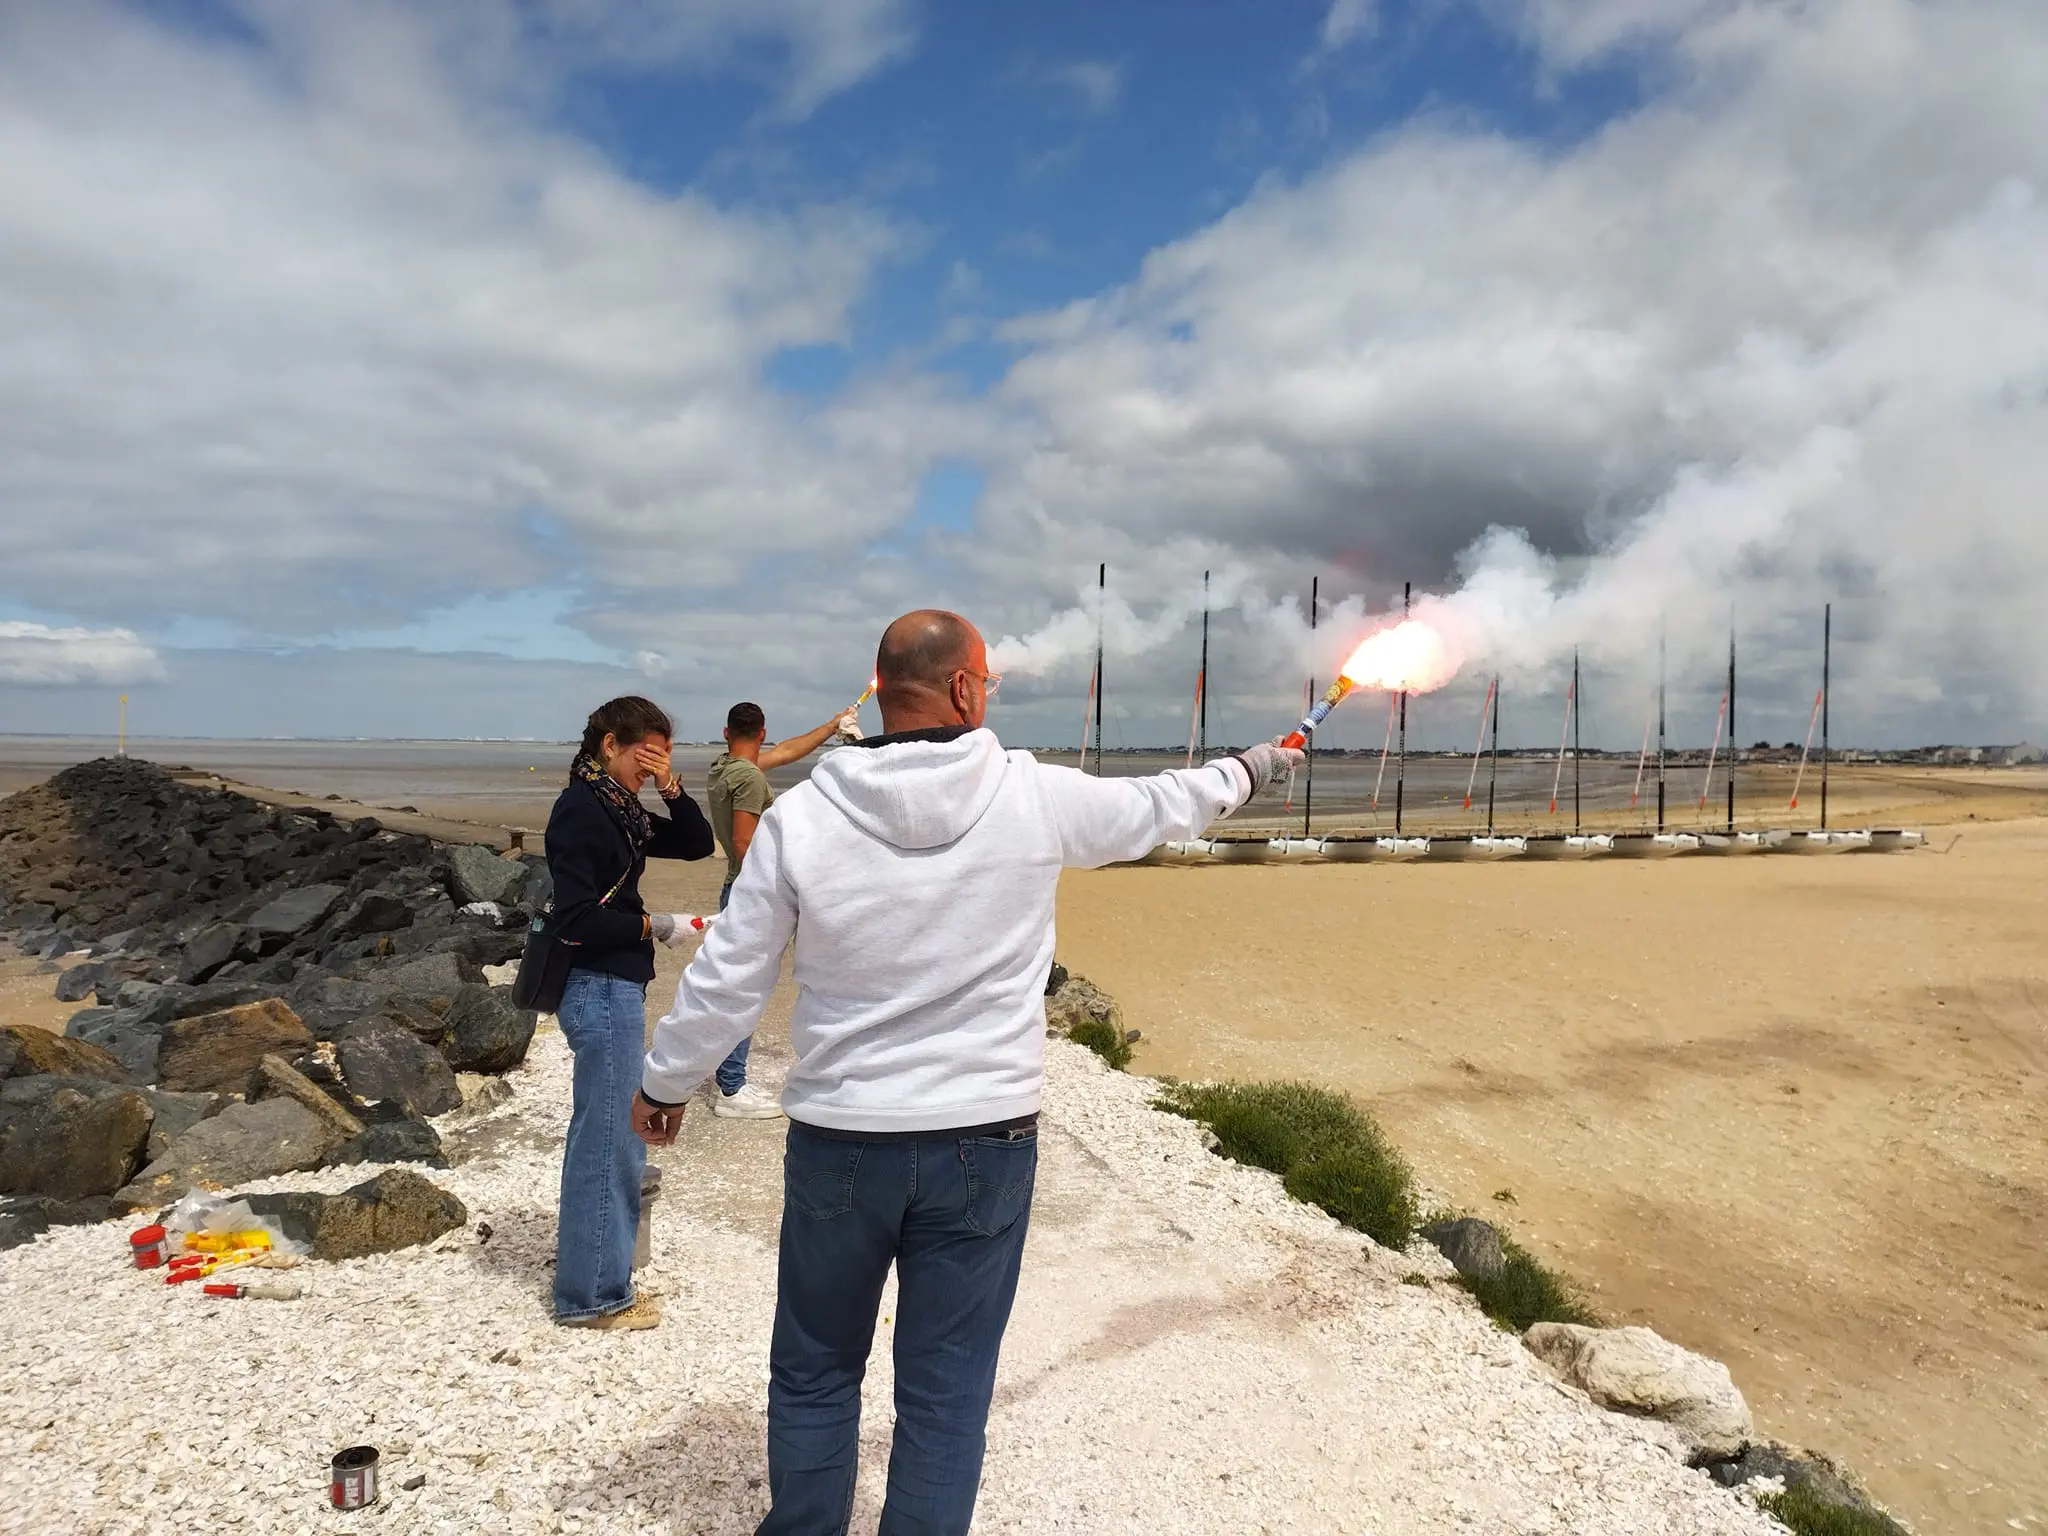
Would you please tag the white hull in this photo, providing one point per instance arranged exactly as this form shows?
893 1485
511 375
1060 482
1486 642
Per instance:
1742 842
1374 850
1588 846
1814 843
1896 841
1296 850
1464 850
1250 851
1654 845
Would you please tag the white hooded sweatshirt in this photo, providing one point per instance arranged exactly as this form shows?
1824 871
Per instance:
918 880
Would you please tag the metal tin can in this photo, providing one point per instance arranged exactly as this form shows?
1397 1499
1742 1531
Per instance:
650 1194
353 1477
150 1246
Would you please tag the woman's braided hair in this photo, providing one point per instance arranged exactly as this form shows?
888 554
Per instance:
630 718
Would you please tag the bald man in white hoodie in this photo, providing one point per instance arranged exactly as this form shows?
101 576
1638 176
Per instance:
917 872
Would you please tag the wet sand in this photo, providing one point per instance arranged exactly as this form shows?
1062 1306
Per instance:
1788 1111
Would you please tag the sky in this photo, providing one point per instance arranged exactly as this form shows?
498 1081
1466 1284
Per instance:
442 369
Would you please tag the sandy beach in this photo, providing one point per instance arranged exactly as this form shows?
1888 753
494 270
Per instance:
1787 1111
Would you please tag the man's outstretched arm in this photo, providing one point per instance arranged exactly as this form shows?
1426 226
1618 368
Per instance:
1104 820
799 747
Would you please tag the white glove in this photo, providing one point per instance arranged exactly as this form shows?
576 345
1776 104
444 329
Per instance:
849 724
1268 763
675 929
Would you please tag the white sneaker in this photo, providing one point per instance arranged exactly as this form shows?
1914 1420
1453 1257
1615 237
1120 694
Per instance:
749 1103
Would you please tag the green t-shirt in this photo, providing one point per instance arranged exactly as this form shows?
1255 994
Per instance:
735 784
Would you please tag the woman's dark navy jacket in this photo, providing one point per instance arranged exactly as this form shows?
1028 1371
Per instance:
587 853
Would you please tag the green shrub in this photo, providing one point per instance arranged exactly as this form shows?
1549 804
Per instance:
1524 1292
1105 1040
1326 1150
1806 1513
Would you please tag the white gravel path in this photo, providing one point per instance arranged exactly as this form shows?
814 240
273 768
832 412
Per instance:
1191 1352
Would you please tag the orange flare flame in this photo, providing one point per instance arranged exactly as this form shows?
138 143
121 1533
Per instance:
1409 656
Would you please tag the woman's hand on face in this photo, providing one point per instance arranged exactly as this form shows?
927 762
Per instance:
652 758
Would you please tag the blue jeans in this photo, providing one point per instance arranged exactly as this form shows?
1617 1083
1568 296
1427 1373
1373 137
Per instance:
604 1019
951 1214
732 1072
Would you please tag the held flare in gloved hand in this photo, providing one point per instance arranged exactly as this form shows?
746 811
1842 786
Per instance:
675 928
849 724
1268 763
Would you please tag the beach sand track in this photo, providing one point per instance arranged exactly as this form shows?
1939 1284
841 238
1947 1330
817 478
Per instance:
1789 1112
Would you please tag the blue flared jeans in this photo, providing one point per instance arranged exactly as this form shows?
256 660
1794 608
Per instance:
604 1019
950 1213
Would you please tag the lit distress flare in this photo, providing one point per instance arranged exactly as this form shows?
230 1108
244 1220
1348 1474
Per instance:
1408 657
867 692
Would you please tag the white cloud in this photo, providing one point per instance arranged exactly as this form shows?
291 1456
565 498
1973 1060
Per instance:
1778 337
818 48
1571 34
326 329
38 656
1349 21
1094 84
303 330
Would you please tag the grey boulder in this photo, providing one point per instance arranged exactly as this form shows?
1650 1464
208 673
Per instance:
485 1032
374 913
242 1142
397 1209
177 1113
217 1051
26 1218
218 945
477 873
30 1052
294 913
69 1137
276 1078
403 1139
426 1017
1472 1246
437 975
384 1063
131 1036
78 983
329 1004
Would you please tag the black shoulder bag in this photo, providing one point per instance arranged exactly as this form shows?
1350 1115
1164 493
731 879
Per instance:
544 965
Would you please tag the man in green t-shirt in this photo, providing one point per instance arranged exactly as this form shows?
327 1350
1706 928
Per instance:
737 794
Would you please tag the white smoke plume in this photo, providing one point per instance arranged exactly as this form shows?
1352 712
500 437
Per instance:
1778 339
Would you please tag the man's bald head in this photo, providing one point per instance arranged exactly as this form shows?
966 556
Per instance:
928 671
923 649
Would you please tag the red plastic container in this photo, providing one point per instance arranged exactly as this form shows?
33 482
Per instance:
150 1246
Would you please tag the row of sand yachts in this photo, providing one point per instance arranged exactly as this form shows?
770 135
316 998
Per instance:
1367 848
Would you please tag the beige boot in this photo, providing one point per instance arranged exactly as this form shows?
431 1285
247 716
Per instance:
642 1312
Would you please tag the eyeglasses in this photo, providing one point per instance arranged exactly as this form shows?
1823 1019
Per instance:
990 681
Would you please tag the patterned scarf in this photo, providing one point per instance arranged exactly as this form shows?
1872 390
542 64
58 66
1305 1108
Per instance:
625 808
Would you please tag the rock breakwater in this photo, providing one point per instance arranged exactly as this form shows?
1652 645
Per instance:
265 990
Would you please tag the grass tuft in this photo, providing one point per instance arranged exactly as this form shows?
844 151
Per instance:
1326 1150
1524 1293
1806 1513
1105 1040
